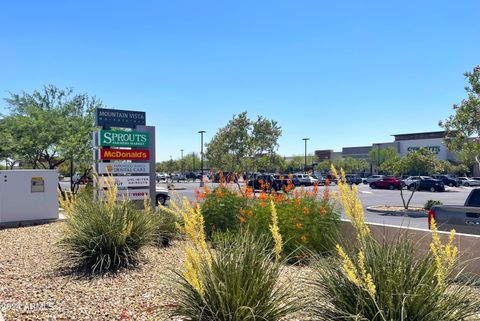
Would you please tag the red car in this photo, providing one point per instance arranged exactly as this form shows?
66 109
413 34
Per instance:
387 182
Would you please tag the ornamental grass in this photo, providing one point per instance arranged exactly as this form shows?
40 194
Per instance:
107 234
380 281
238 281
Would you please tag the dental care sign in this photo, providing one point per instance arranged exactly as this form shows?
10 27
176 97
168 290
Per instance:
126 181
115 138
130 194
123 168
124 154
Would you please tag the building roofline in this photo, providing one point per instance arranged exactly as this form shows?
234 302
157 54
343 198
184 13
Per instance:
424 135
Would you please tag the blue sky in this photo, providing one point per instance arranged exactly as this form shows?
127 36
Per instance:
344 73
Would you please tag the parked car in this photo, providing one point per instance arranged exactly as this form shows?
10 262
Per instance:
464 219
161 177
353 179
426 183
320 179
179 177
268 183
447 180
331 179
373 178
225 177
465 181
303 179
388 183
412 179
162 196
287 177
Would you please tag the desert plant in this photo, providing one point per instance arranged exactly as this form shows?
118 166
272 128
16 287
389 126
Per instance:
165 226
221 208
430 203
238 281
305 222
103 235
380 281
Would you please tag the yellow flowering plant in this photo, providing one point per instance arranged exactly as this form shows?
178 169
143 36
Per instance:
389 280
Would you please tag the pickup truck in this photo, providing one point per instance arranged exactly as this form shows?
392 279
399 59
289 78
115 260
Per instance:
464 219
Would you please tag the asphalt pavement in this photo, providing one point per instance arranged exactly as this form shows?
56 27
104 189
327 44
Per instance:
368 196
371 197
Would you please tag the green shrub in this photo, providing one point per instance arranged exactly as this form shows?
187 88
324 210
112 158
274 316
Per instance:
240 284
305 221
221 210
406 287
100 236
430 203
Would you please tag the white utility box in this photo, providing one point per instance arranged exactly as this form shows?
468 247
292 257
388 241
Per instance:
28 195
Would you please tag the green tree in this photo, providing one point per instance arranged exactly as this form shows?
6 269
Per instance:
241 144
352 165
392 166
420 162
463 128
324 166
49 127
378 156
297 162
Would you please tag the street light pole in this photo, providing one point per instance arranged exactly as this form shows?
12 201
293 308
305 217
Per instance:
305 165
201 132
193 157
378 158
181 160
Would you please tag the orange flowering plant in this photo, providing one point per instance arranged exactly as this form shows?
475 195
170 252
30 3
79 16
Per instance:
306 218
221 208
306 221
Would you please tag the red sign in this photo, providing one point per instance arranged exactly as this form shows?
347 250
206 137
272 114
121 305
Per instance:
124 154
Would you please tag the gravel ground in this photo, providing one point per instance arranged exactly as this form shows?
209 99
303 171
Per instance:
34 284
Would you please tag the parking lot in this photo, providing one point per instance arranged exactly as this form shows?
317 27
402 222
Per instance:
371 197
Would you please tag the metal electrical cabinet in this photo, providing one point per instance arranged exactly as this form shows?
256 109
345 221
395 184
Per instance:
28 195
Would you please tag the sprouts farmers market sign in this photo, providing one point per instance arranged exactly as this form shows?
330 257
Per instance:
115 138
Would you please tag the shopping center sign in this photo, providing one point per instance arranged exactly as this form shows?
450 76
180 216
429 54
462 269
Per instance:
114 138
130 194
125 181
123 168
124 154
119 118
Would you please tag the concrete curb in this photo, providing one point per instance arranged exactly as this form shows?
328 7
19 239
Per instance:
373 209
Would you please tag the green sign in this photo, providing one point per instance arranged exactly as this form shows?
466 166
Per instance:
116 138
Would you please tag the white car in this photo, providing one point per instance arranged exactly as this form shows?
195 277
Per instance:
305 179
373 178
161 177
412 179
466 181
